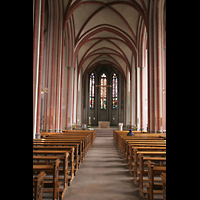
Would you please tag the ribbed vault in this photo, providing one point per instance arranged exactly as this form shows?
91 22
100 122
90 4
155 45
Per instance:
106 32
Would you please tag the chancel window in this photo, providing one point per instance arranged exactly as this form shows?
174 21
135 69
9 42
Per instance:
114 91
103 91
91 92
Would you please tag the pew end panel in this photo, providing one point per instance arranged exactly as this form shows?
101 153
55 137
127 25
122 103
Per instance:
163 176
154 188
38 185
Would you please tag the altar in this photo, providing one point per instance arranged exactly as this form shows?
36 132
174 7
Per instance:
104 124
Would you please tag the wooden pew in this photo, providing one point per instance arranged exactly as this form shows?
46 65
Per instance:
154 188
55 153
118 135
146 146
86 143
152 148
125 149
141 172
142 148
89 136
46 160
50 186
55 145
67 148
92 132
147 153
38 185
163 176
130 142
63 142
126 142
122 138
86 138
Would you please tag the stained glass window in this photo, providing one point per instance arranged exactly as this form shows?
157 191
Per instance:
114 91
103 91
91 92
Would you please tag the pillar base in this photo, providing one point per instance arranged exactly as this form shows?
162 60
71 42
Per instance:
164 131
159 131
49 130
60 131
152 131
37 136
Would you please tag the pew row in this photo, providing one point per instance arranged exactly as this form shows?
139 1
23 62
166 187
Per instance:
138 151
142 173
70 148
53 170
63 169
75 160
59 153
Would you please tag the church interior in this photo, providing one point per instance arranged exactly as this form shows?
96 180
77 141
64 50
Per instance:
99 69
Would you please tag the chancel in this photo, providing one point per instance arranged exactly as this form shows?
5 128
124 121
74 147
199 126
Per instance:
99 70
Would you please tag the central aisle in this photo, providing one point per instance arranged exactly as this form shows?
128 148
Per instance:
103 175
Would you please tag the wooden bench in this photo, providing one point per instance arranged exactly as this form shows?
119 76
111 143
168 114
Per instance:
118 135
63 169
147 153
125 149
67 148
63 142
163 176
152 187
86 138
128 144
43 160
121 138
56 153
158 161
85 143
50 186
38 185
142 148
88 135
91 132
151 147
128 139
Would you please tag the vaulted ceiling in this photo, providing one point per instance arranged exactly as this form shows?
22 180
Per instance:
106 31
